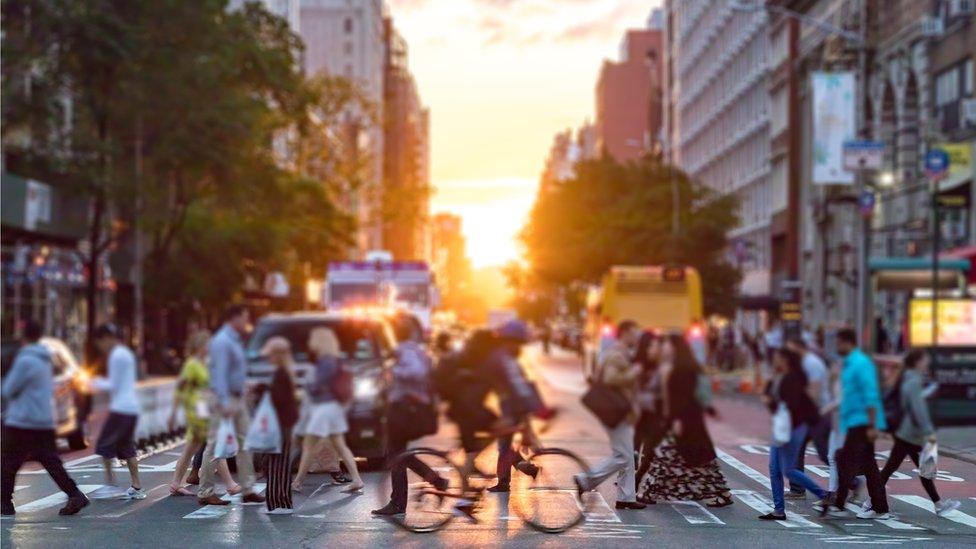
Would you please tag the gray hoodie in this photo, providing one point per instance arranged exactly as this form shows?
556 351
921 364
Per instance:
916 426
28 390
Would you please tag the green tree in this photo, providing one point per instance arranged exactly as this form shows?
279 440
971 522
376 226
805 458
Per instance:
621 214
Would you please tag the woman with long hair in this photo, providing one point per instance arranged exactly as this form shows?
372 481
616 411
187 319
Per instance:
788 387
649 429
278 466
193 382
326 418
686 467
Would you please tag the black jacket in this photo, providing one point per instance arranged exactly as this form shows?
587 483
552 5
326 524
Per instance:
792 390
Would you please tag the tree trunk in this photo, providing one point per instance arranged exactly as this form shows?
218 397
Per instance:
94 275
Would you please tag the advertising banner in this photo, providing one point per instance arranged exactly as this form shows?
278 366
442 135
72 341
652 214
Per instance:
834 123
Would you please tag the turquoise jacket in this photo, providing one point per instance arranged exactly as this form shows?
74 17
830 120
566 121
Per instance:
860 391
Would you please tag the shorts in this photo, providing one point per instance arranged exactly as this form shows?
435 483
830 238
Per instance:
324 419
117 439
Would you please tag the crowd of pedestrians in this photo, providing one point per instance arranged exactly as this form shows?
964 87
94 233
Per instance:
650 393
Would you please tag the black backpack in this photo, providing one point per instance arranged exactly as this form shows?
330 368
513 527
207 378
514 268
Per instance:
893 410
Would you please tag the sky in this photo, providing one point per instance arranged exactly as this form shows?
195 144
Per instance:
501 78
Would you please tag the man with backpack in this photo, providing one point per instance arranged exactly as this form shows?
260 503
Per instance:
910 424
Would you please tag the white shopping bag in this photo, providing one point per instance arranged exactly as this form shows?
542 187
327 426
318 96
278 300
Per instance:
782 425
225 445
264 434
928 463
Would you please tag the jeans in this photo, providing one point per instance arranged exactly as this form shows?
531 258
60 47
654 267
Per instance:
819 434
620 463
783 461
857 457
898 453
22 445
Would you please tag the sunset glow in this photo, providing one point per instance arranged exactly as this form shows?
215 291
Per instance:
501 78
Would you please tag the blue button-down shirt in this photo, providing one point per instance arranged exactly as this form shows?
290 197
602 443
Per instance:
228 365
860 392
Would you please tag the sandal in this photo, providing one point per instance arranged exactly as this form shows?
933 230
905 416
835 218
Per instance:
234 490
181 491
354 488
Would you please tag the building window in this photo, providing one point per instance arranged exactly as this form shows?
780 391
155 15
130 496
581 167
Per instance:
967 78
947 87
347 48
347 25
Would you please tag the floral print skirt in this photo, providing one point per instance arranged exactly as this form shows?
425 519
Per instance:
671 478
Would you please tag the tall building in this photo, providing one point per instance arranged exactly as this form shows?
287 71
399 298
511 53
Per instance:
717 123
566 150
406 184
346 38
628 117
449 259
289 10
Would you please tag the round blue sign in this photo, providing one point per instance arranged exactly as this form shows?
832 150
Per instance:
936 162
865 203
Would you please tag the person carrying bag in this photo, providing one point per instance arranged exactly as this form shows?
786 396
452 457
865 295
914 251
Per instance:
271 430
264 433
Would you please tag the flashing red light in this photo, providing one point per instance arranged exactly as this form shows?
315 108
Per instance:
695 332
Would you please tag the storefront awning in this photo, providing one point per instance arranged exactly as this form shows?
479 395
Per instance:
910 273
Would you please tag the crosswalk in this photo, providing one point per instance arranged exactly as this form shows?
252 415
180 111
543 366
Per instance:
914 520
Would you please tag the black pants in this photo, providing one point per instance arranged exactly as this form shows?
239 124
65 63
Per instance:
22 445
819 434
898 453
647 435
857 457
398 475
278 469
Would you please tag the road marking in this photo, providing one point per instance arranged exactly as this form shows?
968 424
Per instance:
922 503
763 505
743 468
141 504
597 509
54 499
21 487
78 461
209 512
890 522
695 513
257 489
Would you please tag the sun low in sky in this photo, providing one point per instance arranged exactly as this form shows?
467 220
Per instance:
501 77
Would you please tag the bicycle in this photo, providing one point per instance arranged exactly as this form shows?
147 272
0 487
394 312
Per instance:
543 491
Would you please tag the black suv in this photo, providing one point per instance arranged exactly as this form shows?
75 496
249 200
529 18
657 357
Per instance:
367 344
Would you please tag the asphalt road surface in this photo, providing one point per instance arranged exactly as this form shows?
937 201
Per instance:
326 517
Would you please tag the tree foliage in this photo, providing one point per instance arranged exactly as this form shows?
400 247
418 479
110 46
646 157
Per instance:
189 122
621 214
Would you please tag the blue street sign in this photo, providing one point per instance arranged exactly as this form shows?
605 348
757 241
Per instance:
865 203
936 163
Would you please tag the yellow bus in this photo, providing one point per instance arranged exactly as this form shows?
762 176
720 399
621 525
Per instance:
660 298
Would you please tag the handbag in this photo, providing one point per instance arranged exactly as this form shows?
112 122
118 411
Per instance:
342 384
928 462
225 443
609 404
782 425
264 433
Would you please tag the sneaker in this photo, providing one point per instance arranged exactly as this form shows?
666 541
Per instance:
278 511
836 512
135 493
634 505
796 495
7 509
946 505
866 506
389 510
872 514
339 477
822 504
75 503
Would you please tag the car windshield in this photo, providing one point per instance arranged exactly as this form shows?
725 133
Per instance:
352 293
355 337
415 294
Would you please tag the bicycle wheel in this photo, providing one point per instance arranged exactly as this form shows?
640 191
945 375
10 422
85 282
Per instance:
548 501
434 487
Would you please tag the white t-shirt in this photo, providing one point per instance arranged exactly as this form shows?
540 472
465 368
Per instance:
816 371
121 382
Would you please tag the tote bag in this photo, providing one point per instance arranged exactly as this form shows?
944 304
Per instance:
225 444
264 433
782 425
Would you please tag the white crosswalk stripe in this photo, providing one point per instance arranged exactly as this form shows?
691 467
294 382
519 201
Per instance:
890 523
209 512
761 504
54 499
923 503
695 513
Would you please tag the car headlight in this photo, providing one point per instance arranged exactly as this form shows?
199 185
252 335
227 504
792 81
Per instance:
365 388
